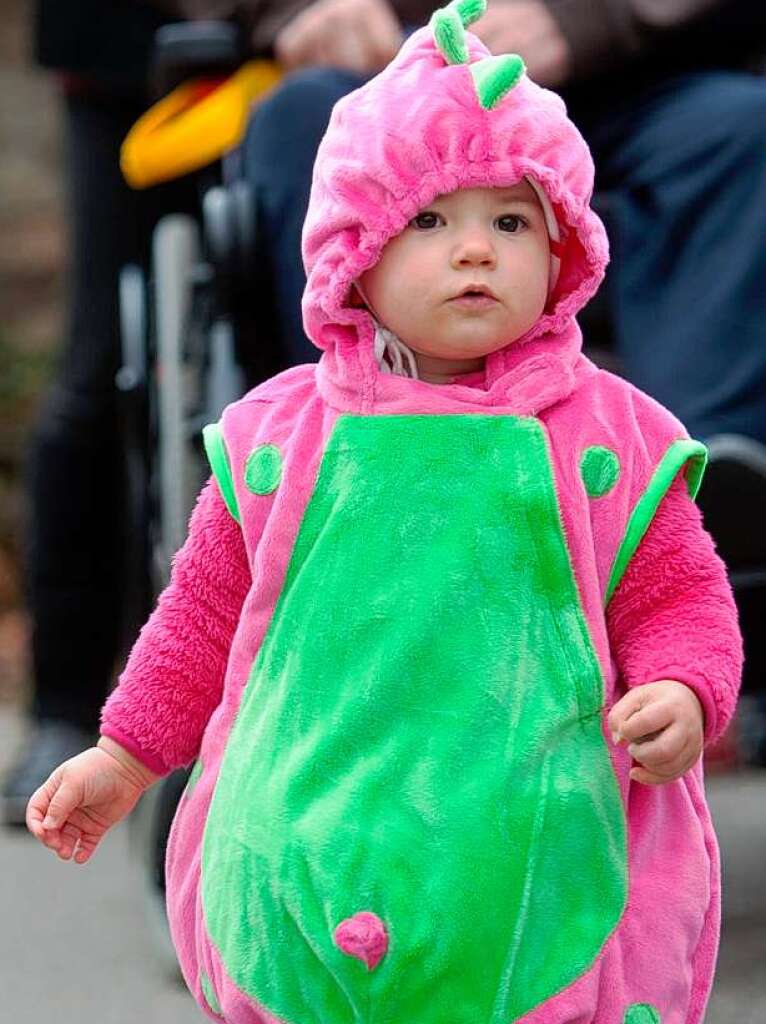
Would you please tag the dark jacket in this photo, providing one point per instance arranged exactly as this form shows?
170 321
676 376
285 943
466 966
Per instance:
112 41
607 35
109 43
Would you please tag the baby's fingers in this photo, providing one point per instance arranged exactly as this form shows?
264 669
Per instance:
652 718
64 801
38 805
67 839
639 774
661 751
50 807
73 842
665 758
629 704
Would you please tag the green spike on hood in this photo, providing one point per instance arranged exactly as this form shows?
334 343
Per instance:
494 77
449 24
470 10
450 35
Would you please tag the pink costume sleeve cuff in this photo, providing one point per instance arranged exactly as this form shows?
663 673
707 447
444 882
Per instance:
152 762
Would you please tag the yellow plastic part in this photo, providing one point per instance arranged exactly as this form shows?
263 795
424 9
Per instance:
184 132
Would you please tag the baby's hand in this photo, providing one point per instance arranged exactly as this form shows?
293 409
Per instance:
84 797
664 725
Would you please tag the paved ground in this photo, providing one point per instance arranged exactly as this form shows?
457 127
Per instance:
75 943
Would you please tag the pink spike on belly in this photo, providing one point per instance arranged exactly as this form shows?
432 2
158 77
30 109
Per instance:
363 936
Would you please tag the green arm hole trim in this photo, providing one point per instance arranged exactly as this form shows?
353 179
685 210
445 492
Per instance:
209 994
642 1013
494 77
218 458
193 778
683 454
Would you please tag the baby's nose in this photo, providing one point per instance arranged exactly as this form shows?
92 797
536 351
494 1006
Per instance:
477 250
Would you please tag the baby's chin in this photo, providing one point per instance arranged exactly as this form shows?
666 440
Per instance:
459 349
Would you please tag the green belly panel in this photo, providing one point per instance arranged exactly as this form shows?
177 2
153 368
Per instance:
420 737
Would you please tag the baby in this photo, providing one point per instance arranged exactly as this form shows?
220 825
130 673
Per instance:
447 636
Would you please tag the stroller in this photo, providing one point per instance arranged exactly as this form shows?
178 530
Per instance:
182 324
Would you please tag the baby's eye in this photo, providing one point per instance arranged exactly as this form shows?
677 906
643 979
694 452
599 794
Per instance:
511 223
425 220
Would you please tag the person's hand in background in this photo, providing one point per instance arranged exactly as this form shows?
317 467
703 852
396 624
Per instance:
355 35
528 28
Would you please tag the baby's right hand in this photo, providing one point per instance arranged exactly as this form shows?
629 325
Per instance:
71 812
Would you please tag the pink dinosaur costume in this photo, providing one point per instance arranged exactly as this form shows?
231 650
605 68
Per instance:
406 807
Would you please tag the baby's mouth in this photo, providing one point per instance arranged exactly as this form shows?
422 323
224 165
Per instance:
475 297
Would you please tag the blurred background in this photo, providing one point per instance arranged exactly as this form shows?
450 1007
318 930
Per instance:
32 268
89 944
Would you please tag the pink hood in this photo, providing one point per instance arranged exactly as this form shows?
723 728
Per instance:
415 131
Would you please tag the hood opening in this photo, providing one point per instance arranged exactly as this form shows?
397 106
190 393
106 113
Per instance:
573 260
393 355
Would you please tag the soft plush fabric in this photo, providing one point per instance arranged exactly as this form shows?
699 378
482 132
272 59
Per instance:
406 806
174 678
675 565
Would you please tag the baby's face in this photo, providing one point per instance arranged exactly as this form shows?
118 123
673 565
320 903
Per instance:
467 276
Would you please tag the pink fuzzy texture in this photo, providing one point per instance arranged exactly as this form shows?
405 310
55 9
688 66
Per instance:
414 132
173 680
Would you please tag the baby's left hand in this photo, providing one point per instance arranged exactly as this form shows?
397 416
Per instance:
664 725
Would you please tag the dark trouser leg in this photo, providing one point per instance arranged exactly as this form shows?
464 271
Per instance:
684 172
279 151
76 531
683 168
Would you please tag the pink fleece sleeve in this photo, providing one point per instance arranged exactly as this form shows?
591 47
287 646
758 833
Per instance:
673 615
173 679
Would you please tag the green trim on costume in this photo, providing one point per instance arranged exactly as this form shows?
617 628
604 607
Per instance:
642 1013
494 77
207 991
684 454
193 778
263 469
599 469
218 458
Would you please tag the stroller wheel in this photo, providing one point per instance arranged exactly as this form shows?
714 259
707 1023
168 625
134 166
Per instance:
179 474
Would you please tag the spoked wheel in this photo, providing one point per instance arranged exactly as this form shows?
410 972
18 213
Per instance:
193 374
132 382
178 380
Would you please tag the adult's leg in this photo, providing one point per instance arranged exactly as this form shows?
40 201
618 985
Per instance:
683 170
279 151
75 480
75 533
